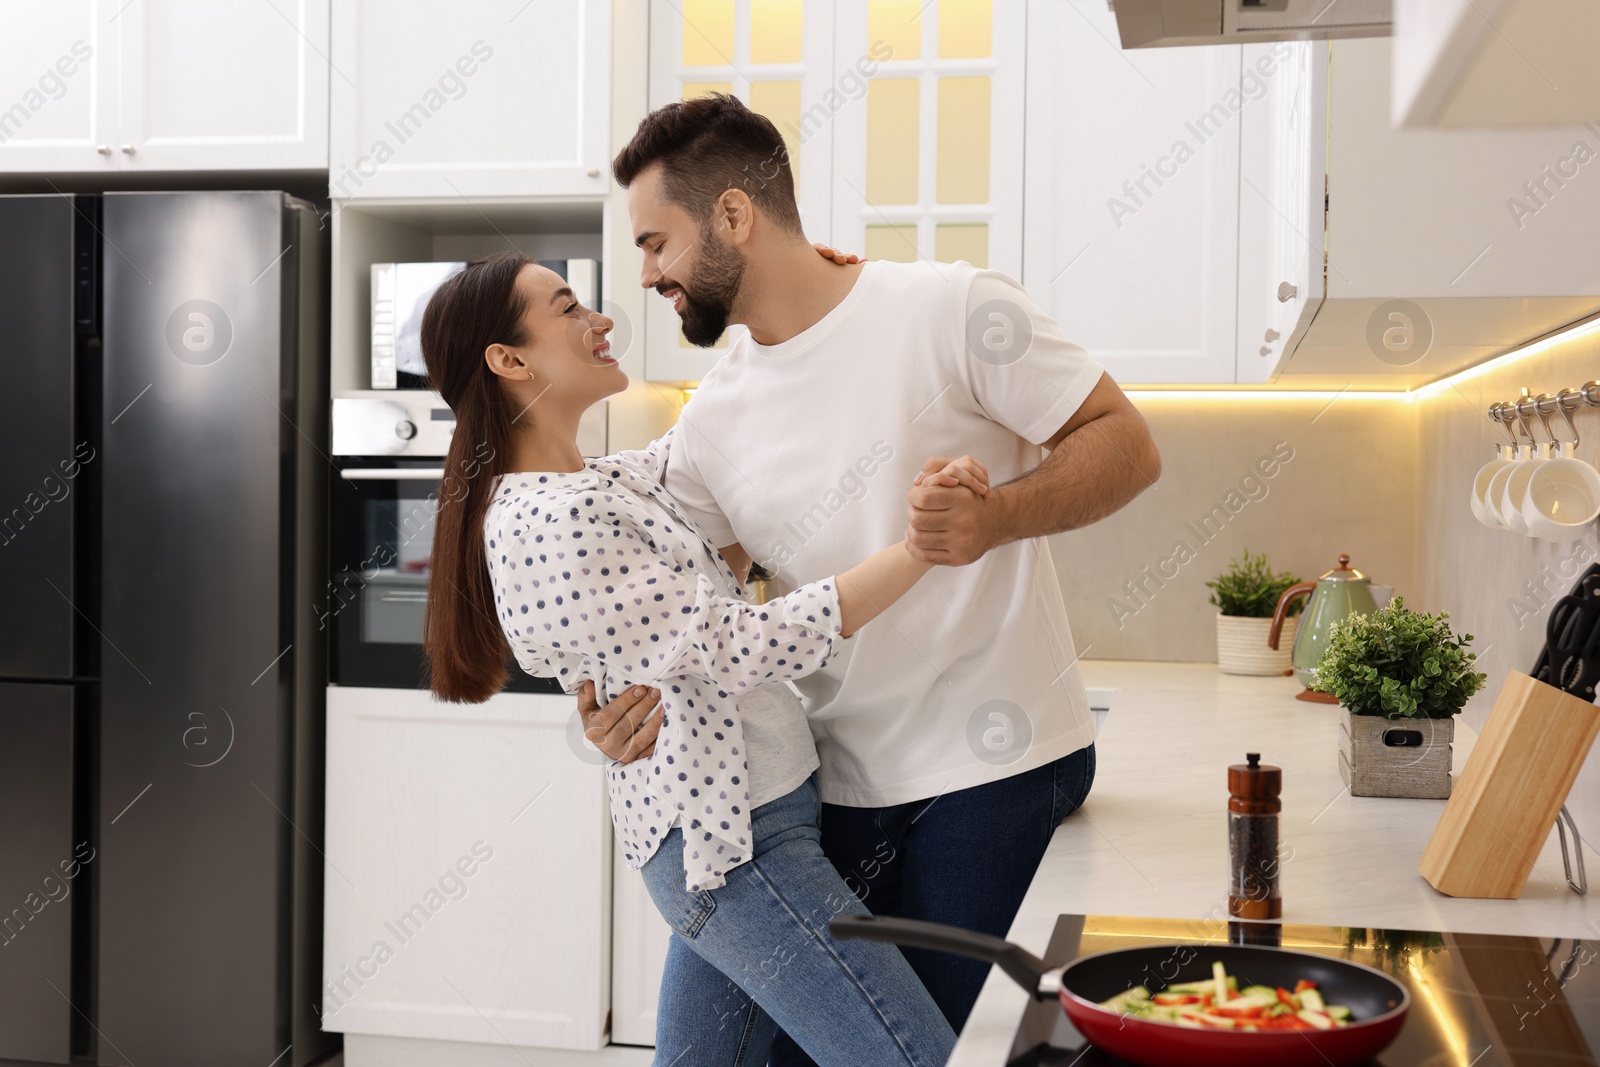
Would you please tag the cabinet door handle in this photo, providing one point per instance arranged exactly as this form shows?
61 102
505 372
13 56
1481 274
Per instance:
1266 350
593 172
128 150
1272 335
103 149
1286 292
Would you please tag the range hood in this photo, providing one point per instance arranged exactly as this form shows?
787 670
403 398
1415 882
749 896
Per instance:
1161 23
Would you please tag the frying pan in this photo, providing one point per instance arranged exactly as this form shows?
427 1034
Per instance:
1377 1003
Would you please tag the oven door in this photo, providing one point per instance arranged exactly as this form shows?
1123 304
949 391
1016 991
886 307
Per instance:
381 545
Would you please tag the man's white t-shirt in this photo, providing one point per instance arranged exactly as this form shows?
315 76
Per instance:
803 452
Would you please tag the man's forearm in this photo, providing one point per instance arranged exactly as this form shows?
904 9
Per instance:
1094 471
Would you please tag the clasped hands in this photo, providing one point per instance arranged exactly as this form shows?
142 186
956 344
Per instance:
947 523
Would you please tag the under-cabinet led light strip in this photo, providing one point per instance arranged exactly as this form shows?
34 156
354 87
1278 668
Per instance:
1421 392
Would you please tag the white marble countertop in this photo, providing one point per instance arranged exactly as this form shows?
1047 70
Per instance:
1151 840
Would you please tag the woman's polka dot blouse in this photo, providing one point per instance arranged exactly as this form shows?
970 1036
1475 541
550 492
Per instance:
598 576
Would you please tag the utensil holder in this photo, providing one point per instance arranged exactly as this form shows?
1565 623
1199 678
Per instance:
1515 784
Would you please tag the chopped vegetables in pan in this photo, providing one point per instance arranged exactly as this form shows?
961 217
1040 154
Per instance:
1219 1003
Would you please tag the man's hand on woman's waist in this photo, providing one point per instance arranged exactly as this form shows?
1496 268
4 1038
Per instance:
620 729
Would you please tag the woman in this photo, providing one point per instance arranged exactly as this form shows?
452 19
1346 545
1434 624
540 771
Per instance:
589 572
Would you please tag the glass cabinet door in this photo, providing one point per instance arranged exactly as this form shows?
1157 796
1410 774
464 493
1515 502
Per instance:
929 165
776 56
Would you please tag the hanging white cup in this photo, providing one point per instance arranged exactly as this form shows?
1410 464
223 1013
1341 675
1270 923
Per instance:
1514 489
1481 509
1562 497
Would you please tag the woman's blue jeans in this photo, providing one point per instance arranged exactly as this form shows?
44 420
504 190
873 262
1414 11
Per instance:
755 955
965 858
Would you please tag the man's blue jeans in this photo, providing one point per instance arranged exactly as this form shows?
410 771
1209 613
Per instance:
755 954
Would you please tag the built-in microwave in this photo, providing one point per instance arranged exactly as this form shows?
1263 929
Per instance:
388 454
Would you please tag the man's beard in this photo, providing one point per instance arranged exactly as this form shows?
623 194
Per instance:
715 284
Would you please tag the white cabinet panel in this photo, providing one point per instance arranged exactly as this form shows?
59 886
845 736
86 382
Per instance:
1282 224
1489 236
639 939
1449 214
1495 63
165 85
58 87
473 98
223 86
467 884
1133 195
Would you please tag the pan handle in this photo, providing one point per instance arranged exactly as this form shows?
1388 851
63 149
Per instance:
1026 969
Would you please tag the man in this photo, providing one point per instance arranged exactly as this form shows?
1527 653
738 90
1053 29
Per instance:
956 734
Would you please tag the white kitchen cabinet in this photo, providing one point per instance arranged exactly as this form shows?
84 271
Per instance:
165 85
1485 239
1133 195
778 59
1282 178
477 98
57 89
1495 63
639 939
1457 204
468 877
208 86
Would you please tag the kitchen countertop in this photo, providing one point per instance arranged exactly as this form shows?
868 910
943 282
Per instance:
1152 838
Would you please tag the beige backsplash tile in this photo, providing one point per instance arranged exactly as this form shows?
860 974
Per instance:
1498 585
1350 486
1385 481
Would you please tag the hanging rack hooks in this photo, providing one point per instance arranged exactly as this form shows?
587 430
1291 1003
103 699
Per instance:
1566 413
1497 412
1524 410
1527 407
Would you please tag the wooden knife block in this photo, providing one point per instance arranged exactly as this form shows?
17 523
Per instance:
1504 805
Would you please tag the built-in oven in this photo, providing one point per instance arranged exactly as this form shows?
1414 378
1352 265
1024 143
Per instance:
388 455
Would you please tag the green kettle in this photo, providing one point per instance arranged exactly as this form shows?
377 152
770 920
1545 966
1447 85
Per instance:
1341 592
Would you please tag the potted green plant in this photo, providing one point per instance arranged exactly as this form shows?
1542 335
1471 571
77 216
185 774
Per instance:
1246 594
1401 677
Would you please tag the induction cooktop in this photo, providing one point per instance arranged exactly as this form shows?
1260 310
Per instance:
1477 1000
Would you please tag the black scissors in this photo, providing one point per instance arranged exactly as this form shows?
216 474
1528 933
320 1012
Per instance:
1571 657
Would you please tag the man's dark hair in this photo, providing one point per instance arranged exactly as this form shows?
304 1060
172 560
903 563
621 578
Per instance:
707 146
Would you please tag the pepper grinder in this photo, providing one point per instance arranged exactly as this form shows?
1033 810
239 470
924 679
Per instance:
1253 808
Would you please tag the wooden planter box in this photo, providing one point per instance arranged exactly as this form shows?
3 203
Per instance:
1373 763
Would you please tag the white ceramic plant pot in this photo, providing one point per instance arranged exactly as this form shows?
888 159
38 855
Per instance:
1242 645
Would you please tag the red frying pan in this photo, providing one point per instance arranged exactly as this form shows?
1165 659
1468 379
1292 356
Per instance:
1377 1003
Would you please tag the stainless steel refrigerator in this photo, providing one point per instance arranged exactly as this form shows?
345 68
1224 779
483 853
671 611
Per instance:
163 487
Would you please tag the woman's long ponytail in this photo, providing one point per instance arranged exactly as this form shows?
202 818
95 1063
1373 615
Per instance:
474 308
